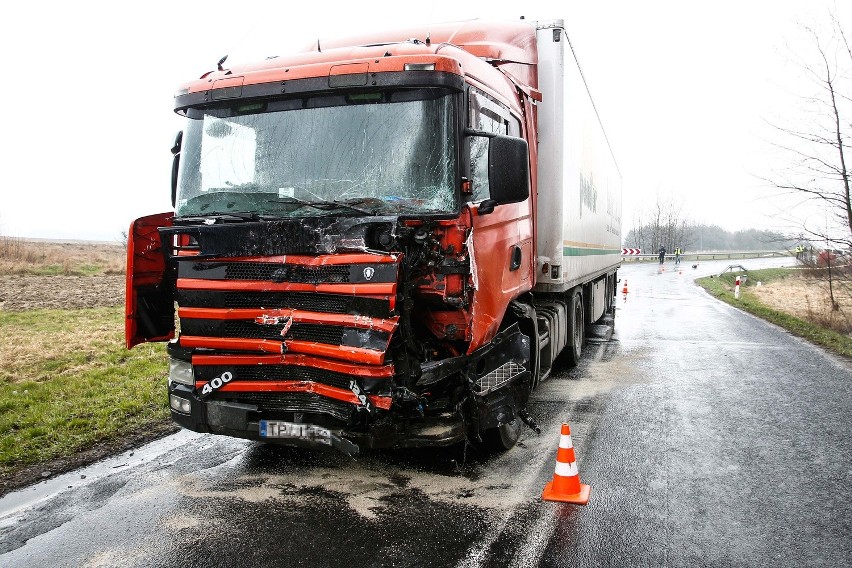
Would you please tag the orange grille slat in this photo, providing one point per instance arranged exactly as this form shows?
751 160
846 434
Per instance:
383 402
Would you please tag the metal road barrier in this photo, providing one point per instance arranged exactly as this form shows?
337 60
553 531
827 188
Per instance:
719 255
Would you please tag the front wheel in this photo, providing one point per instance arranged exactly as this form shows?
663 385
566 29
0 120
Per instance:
503 437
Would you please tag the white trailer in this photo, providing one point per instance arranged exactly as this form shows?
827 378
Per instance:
579 183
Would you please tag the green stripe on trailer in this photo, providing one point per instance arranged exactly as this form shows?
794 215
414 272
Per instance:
582 251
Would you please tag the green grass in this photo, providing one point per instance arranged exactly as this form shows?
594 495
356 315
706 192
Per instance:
68 383
722 287
61 269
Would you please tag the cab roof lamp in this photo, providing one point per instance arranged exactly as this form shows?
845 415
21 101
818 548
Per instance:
419 67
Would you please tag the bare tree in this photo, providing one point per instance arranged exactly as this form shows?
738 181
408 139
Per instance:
821 149
661 223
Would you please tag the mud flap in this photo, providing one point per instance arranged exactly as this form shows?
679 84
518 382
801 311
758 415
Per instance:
499 378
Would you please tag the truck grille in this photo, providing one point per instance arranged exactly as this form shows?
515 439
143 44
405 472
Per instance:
230 309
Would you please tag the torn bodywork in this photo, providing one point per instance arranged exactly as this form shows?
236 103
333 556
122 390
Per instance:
360 327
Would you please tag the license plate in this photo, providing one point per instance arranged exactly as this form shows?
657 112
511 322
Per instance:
290 430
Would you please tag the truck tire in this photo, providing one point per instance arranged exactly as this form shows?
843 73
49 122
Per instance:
503 437
576 329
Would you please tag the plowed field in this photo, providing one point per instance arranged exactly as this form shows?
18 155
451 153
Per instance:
20 292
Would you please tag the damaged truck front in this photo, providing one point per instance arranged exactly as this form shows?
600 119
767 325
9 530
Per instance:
351 249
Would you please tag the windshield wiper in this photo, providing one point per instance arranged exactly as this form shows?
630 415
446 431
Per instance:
231 215
323 205
351 206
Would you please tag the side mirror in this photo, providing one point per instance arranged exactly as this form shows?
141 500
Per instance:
508 169
176 164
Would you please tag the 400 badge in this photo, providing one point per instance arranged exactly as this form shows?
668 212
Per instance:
216 383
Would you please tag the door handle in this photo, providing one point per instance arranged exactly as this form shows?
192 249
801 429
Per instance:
515 262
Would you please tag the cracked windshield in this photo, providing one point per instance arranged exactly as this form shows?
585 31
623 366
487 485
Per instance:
371 153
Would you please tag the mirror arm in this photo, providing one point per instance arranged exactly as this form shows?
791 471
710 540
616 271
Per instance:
178 143
175 163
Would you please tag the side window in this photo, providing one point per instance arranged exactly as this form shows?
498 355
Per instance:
488 116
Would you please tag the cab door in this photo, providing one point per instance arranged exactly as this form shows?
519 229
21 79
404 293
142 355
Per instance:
149 302
502 238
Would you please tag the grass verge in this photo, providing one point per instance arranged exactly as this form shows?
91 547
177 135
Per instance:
722 287
46 258
68 385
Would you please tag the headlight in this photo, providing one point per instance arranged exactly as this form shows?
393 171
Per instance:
181 372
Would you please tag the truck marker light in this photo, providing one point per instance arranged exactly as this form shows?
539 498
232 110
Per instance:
419 67
250 108
365 97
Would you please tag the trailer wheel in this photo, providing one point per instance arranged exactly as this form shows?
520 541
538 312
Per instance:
504 437
576 329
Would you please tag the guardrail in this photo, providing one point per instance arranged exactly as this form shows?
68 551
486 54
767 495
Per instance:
699 256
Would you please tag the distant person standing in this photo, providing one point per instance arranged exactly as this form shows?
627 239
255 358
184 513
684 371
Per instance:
662 254
678 252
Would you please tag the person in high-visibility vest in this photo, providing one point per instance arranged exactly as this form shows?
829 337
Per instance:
678 252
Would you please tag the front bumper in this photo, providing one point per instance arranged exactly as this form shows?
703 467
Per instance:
386 429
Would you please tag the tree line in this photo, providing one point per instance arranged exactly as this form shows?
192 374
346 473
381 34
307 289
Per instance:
675 233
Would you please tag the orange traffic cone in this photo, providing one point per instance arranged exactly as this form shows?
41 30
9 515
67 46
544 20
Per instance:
566 486
624 290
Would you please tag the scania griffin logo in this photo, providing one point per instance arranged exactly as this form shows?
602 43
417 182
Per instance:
368 272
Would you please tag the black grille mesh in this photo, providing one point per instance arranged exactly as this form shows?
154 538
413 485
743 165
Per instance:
292 402
331 334
253 330
276 373
297 301
287 273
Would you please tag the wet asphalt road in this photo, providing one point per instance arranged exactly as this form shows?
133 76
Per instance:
709 437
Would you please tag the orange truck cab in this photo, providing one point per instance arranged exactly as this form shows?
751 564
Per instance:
381 241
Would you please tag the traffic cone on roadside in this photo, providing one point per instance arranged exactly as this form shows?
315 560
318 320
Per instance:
624 290
566 486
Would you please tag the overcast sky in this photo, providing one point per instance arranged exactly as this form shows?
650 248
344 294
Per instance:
685 89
